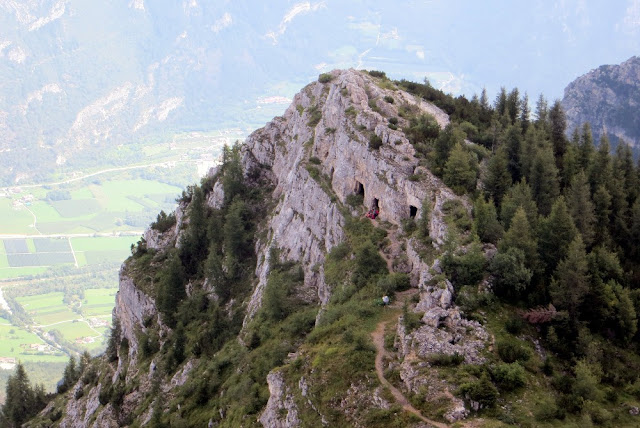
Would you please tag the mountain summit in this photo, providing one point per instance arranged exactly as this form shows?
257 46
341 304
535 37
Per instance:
293 301
608 98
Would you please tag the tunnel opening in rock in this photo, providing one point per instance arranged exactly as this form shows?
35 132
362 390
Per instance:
359 188
413 211
374 205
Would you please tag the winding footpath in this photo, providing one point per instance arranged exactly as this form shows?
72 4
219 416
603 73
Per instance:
381 353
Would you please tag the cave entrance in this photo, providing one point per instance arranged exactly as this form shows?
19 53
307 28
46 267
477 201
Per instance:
413 211
359 188
374 205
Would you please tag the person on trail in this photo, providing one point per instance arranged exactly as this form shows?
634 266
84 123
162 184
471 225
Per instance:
385 300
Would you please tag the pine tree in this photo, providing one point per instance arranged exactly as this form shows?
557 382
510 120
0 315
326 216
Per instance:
512 277
233 178
519 196
235 240
558 122
486 223
556 234
581 207
571 280
586 150
451 136
484 100
513 150
525 113
461 170
171 291
193 248
542 113
520 236
20 403
500 104
497 180
544 180
601 172
513 105
602 210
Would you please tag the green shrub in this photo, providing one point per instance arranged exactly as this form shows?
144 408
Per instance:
325 78
376 73
375 142
393 120
355 200
314 116
547 411
508 376
510 351
388 99
482 391
164 222
393 127
314 160
446 359
411 320
514 326
393 282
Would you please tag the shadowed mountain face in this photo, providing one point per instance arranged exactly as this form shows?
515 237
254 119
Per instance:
609 99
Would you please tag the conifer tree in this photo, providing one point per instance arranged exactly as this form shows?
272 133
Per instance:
486 223
602 210
571 280
20 401
451 136
558 122
601 171
581 207
513 105
519 196
235 238
497 180
193 248
461 170
586 148
525 113
556 233
542 113
544 180
520 236
513 150
171 289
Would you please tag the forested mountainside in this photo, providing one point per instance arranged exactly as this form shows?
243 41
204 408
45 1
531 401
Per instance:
509 251
608 98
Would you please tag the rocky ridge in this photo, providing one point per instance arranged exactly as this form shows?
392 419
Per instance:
315 156
608 98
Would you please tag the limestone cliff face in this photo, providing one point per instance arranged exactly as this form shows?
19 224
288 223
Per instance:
349 109
608 98
314 157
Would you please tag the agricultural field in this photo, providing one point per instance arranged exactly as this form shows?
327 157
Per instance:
62 242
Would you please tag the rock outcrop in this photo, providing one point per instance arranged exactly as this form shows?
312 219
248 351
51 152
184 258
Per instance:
317 159
609 99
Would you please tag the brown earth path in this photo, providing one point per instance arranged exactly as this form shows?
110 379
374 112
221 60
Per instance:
378 340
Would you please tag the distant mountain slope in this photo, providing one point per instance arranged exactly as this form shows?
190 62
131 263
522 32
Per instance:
609 99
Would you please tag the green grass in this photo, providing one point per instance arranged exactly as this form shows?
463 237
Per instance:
16 221
10 272
82 193
45 213
100 296
100 257
31 246
14 342
4 262
41 301
116 243
52 317
77 207
73 330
